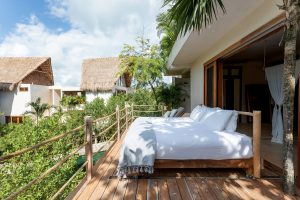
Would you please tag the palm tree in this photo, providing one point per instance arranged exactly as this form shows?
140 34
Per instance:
196 14
38 108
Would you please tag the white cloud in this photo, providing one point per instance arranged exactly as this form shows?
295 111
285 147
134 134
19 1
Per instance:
97 30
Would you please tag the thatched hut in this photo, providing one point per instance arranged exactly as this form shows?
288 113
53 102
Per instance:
100 78
22 80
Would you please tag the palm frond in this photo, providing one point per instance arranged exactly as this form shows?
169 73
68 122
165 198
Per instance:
193 14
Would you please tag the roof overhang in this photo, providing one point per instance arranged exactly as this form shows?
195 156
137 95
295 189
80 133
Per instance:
188 48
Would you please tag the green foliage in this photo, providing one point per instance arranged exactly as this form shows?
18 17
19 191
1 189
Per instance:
72 101
18 171
167 30
189 15
170 95
143 63
38 108
96 108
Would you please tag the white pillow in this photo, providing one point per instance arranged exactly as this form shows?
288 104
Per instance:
216 119
167 114
232 123
173 113
195 112
207 111
201 113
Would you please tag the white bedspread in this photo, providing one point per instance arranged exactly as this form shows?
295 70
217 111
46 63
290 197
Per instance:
185 139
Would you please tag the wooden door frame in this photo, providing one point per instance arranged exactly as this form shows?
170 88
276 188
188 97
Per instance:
271 27
206 67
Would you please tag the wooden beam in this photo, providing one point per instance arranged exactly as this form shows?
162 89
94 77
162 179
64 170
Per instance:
229 163
256 143
89 147
220 83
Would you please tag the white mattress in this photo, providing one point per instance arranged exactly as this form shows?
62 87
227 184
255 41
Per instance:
185 139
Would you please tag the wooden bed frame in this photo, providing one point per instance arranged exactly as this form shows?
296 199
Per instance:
251 165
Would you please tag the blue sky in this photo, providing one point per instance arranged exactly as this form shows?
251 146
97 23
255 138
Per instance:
71 30
19 11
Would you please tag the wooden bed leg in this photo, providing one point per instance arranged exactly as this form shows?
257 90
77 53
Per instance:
249 172
256 143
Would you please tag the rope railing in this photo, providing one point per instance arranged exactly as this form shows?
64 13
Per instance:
36 146
105 117
107 129
56 195
123 117
44 174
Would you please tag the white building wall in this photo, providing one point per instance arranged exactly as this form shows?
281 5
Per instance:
258 18
14 103
90 96
43 92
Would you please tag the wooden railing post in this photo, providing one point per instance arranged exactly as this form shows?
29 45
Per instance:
126 115
89 147
256 144
118 121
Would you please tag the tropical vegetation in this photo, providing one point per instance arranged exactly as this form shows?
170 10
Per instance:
143 63
22 169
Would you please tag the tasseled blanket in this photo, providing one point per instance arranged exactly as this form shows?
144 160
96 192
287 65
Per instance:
137 154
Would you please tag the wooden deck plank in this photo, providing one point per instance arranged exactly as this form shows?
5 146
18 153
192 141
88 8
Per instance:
141 193
216 190
275 187
131 189
163 191
183 189
121 189
173 189
87 192
99 188
178 184
110 189
194 191
225 185
252 189
203 189
152 192
239 190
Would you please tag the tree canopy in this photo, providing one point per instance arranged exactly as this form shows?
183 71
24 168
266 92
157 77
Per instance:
143 63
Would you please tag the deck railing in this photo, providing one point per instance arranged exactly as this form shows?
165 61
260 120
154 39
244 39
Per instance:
111 126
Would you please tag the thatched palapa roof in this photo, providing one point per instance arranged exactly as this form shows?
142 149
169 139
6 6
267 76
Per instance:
99 74
31 70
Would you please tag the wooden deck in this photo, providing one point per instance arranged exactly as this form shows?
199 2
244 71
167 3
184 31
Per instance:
178 183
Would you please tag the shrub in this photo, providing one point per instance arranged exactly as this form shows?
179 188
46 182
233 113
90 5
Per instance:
170 95
20 170
72 101
96 108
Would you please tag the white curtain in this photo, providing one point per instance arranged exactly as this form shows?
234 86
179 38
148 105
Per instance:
274 77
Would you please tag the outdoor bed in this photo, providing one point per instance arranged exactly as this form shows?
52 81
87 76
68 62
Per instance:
206 139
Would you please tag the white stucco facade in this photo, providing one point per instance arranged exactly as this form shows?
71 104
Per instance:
90 96
190 53
14 103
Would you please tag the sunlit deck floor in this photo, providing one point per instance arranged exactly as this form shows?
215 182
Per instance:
179 184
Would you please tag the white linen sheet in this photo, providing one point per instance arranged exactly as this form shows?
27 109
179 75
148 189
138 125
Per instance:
185 139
